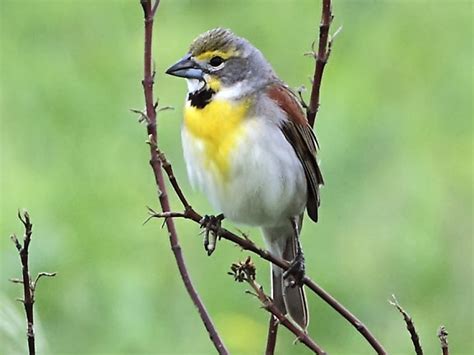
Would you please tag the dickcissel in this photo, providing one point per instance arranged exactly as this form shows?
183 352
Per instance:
249 148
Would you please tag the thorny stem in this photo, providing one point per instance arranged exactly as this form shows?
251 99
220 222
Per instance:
28 300
149 11
29 286
324 49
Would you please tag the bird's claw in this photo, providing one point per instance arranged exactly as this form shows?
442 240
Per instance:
212 227
294 275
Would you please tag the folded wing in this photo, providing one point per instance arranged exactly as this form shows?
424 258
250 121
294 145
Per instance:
301 136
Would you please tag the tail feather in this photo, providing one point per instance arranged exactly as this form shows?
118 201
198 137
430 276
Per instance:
290 300
277 289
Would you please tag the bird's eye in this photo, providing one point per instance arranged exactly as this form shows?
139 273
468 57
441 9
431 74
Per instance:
216 61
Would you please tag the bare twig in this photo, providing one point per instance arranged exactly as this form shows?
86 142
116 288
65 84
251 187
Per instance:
272 335
321 57
149 12
410 325
247 244
245 271
443 339
28 295
29 287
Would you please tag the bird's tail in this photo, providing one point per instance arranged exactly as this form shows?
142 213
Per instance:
281 242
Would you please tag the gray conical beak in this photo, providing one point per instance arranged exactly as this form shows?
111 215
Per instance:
186 68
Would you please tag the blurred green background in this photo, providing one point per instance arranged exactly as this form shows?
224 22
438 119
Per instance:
396 131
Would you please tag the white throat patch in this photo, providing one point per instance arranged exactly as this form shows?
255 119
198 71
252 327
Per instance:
230 93
233 92
195 85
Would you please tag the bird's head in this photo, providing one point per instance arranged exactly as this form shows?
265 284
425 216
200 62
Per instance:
219 60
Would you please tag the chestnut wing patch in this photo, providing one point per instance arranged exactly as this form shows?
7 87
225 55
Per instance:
301 136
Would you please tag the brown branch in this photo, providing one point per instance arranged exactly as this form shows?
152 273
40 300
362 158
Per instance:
28 295
272 335
247 244
245 271
29 286
321 57
149 11
410 326
443 339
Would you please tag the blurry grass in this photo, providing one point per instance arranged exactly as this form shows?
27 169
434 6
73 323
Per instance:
395 127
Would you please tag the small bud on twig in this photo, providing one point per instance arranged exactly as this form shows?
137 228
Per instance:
243 270
443 338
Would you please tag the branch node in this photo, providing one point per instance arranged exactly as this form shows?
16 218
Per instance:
143 116
25 219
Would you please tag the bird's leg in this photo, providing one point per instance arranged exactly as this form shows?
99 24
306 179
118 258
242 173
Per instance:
297 266
212 226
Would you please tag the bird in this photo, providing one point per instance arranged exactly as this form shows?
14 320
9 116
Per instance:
249 148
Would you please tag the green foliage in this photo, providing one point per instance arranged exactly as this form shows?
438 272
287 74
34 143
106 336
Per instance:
395 126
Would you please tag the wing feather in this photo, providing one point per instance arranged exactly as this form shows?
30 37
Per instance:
303 140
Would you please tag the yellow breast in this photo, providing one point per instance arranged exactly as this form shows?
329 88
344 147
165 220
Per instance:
219 126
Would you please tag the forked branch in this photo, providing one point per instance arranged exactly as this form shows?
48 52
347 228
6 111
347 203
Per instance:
244 271
149 11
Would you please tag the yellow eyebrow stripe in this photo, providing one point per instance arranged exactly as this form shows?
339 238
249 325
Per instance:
209 54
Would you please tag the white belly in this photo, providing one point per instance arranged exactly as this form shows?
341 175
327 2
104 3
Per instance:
266 184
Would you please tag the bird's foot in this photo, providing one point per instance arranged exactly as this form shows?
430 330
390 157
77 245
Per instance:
295 274
212 228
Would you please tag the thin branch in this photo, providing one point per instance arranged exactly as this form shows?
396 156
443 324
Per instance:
245 271
321 57
272 335
410 326
443 339
28 297
28 285
247 244
149 12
